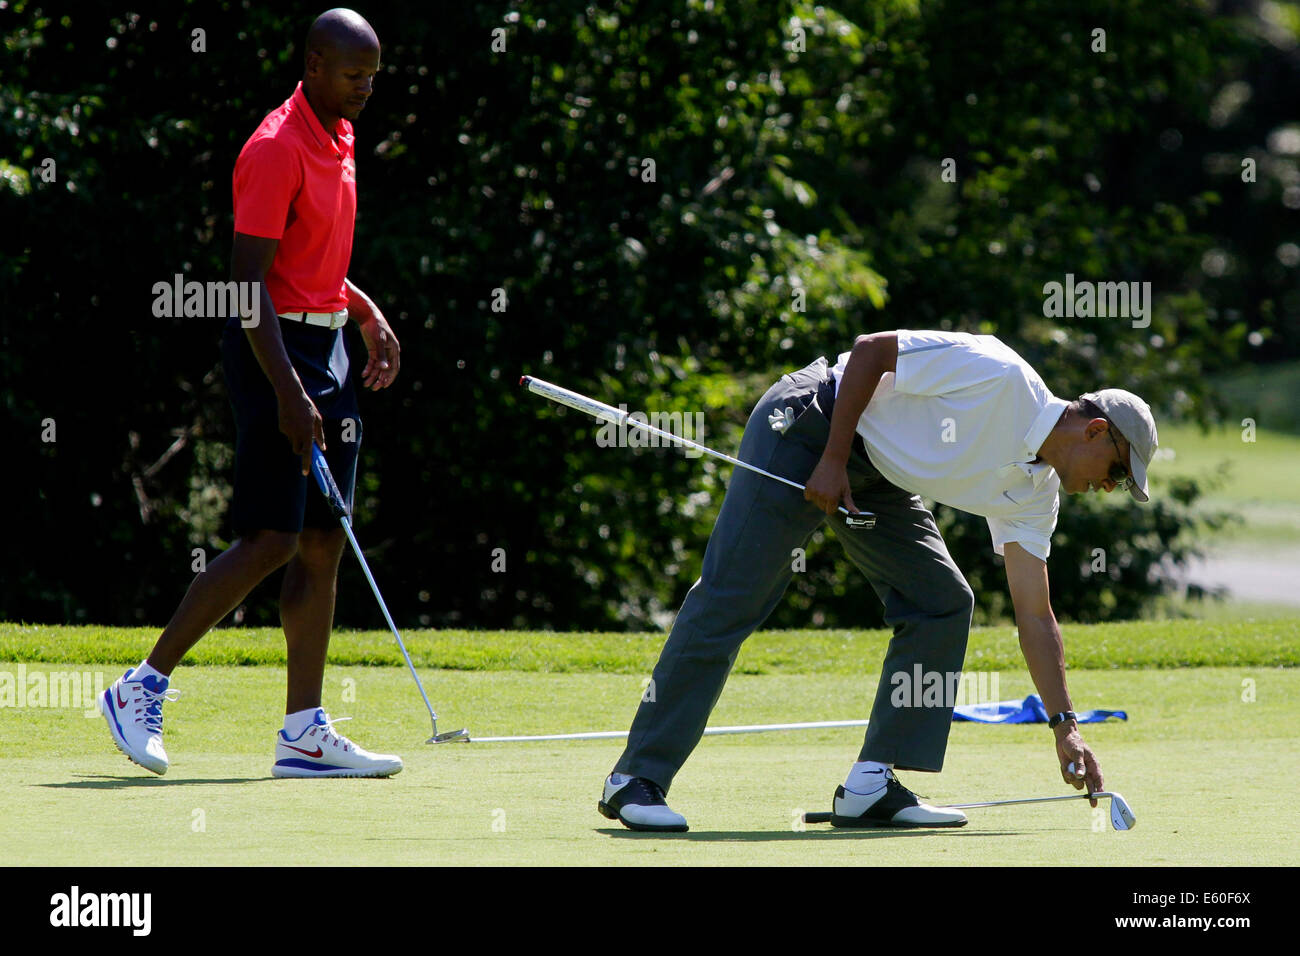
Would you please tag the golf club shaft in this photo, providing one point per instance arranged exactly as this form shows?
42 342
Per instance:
1004 803
599 410
347 528
320 470
708 732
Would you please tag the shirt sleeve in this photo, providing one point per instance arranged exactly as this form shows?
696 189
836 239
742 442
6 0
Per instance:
1031 532
940 363
267 178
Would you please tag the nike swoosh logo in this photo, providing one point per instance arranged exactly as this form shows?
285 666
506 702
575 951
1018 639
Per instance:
317 753
121 704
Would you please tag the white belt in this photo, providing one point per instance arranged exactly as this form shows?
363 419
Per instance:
329 320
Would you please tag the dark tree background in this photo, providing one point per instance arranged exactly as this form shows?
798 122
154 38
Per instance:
796 153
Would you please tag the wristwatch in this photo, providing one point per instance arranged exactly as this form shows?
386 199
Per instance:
1062 718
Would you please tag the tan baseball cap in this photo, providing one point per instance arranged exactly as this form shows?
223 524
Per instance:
1133 421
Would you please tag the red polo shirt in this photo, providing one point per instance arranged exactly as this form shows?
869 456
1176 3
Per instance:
294 183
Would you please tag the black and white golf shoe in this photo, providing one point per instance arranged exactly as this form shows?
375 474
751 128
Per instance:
892 805
639 804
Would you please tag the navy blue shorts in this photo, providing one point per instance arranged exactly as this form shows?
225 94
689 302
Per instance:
271 492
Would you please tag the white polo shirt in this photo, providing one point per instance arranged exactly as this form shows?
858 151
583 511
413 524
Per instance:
960 422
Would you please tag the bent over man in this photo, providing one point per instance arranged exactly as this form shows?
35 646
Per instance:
958 418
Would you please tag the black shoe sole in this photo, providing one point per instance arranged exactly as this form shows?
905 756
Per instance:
857 823
609 813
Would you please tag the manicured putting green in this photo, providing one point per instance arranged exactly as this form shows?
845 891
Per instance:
1204 761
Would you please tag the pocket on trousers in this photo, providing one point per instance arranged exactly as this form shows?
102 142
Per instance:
810 425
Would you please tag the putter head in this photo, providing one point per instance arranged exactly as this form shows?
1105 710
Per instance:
450 737
1121 817
861 521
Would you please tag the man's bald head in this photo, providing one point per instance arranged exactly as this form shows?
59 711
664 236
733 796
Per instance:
341 62
339 32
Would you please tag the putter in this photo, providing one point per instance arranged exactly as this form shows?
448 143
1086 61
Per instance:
325 481
862 520
1121 817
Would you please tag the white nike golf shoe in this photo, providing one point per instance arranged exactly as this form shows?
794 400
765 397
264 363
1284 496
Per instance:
889 805
639 804
133 709
321 751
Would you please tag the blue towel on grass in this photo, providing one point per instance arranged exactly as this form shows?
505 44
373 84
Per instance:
1027 711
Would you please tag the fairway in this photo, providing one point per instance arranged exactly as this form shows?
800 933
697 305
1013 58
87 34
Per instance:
1255 556
1258 485
1205 771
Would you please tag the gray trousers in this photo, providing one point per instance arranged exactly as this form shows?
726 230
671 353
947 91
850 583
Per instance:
749 563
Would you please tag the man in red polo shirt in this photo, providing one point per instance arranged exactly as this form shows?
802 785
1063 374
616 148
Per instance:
291 385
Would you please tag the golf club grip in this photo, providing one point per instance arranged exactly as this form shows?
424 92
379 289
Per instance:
817 817
562 396
325 481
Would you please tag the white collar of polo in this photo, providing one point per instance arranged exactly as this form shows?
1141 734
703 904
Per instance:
1036 472
1034 438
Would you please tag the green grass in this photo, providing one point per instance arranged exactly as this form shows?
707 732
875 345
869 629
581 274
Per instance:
1265 393
70 797
1260 485
1192 755
1269 641
1214 611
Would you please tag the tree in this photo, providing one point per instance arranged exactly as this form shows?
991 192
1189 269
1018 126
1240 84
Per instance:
660 206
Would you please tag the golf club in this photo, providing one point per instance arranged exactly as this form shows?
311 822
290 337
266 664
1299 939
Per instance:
863 520
708 732
325 481
1121 817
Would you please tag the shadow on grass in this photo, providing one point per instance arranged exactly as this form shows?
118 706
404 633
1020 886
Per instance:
771 836
108 782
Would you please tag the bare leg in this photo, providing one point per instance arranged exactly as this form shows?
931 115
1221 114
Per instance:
217 591
307 613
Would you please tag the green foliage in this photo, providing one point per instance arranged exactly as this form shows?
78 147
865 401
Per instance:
796 201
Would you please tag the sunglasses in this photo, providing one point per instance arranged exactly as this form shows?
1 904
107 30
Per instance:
1119 472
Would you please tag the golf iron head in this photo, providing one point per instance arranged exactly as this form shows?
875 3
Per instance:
449 737
1121 817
